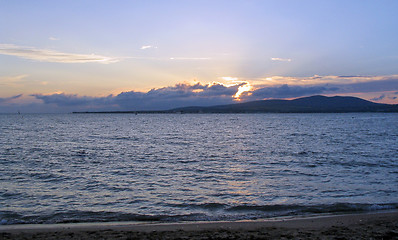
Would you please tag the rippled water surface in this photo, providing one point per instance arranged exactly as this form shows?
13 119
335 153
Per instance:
171 167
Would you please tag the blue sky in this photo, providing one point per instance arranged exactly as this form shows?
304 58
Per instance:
62 56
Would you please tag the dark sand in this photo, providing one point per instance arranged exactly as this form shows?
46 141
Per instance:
381 225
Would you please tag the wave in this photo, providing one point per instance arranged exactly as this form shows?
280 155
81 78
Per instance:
317 209
9 217
195 212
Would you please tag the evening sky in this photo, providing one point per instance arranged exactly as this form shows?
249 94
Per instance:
60 56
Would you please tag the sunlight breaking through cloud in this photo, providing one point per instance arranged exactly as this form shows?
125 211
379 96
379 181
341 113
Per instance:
242 89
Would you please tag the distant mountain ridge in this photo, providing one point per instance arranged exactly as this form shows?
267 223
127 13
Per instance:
313 104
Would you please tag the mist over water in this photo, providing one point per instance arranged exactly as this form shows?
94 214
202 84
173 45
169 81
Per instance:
172 167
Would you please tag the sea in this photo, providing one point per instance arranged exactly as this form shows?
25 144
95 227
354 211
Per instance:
64 168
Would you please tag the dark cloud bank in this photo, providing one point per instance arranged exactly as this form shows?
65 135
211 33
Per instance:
286 91
180 95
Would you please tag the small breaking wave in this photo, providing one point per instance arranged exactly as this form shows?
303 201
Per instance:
9 217
212 212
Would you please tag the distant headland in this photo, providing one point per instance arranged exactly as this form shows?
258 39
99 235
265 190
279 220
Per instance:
313 104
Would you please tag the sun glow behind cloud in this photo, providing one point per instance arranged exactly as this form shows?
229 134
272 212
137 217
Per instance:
243 88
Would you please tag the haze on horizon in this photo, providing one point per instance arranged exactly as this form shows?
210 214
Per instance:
62 56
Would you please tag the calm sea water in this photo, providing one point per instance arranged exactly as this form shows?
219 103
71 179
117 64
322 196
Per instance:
170 167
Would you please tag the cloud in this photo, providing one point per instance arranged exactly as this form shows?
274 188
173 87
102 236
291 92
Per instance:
62 99
286 91
381 97
351 76
369 86
189 58
4 100
9 80
215 93
345 84
147 47
180 95
329 79
184 94
177 96
281 59
53 38
156 99
45 55
229 78
13 78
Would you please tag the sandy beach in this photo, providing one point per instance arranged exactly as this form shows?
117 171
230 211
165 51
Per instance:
380 225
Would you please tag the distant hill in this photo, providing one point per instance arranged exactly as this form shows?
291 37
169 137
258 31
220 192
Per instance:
313 104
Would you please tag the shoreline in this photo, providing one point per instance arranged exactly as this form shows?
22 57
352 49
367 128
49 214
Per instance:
383 224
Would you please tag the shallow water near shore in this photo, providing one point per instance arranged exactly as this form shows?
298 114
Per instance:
188 167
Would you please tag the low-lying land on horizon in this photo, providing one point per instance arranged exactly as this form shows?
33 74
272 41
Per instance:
313 104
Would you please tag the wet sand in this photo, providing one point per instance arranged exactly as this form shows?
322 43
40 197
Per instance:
381 225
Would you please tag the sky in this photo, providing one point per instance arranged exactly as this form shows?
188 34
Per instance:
94 55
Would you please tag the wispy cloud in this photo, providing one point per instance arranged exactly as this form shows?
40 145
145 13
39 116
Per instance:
12 81
12 78
147 47
46 55
316 80
3 100
281 59
229 78
53 38
189 58
381 97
